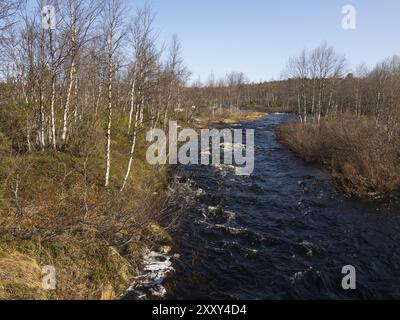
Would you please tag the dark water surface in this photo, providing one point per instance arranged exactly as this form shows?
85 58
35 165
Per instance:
282 233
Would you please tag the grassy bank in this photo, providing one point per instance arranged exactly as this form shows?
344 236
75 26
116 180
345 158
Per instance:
357 151
228 117
55 211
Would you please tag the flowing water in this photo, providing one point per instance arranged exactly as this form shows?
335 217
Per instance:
281 233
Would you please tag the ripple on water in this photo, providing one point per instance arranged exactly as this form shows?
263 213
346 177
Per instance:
282 233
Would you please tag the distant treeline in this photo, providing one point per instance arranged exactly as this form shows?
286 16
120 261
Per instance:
316 83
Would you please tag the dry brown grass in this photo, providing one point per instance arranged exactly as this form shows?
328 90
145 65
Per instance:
357 152
228 117
20 276
61 215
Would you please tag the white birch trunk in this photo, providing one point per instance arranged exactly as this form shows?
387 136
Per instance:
110 76
53 94
128 169
67 103
132 104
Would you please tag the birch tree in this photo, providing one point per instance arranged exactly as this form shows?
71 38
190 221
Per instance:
82 17
144 64
114 32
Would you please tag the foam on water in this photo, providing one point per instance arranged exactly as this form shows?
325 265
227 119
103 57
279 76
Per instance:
156 266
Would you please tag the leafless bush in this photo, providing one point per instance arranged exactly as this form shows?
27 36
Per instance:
358 152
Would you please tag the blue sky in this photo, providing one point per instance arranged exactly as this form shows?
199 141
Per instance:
258 36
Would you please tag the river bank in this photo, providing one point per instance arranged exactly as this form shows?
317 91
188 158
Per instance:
358 152
55 211
227 118
61 216
78 227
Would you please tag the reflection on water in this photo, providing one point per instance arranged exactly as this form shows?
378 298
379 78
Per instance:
282 233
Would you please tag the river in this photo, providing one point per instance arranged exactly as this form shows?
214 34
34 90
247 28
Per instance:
282 233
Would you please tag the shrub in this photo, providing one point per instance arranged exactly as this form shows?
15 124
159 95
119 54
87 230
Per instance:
357 151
